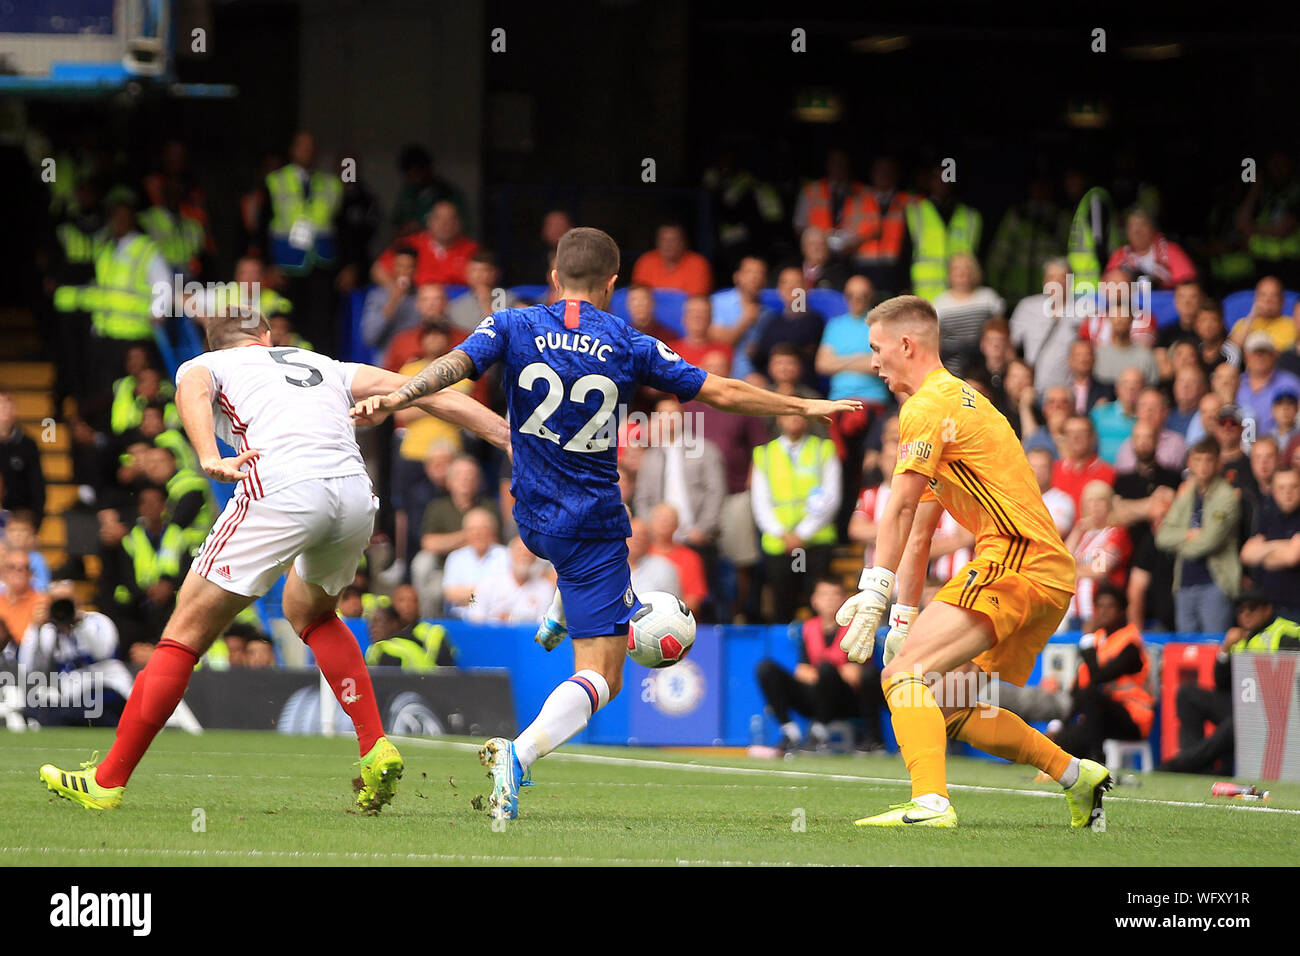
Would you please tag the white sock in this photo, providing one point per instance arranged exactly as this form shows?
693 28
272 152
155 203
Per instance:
791 732
563 714
1071 775
819 732
932 801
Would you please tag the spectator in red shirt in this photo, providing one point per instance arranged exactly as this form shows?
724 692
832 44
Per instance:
672 265
1148 253
690 567
697 317
1081 463
442 252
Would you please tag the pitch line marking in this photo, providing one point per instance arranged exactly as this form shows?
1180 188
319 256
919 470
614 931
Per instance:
844 777
414 857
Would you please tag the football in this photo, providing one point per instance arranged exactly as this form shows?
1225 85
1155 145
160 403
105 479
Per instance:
661 632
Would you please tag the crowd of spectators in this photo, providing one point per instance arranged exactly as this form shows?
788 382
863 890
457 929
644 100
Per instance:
1168 456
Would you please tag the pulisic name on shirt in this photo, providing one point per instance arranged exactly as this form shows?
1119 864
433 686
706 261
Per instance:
582 344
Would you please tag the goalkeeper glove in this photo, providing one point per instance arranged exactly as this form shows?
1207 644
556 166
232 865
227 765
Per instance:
901 617
862 613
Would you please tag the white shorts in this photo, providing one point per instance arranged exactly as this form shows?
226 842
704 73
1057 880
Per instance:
320 525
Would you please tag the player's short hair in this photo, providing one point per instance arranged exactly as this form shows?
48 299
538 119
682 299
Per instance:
911 309
233 325
586 258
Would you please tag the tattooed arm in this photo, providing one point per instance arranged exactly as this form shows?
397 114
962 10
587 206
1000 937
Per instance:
371 386
443 371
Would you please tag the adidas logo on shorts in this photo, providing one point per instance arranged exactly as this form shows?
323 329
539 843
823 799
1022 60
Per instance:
224 571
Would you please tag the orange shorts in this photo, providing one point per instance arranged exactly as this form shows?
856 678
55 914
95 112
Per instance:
1024 615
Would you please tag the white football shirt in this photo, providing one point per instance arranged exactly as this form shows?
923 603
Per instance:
291 405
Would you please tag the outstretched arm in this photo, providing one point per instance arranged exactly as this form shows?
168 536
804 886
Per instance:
733 395
194 403
373 384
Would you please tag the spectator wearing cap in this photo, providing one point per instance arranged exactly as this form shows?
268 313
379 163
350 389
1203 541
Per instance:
1234 462
1263 381
1114 420
672 265
1285 403
1153 411
1272 555
1259 630
1201 532
1080 464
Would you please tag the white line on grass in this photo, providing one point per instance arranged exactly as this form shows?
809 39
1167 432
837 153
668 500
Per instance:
843 777
308 855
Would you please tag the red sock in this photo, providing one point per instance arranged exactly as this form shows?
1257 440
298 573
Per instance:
339 658
157 691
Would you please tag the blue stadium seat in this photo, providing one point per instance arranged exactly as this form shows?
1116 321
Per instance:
827 301
668 306
771 299
530 293
1162 305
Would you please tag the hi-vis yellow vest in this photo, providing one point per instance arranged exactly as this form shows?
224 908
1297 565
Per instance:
791 483
150 563
933 244
120 302
178 237
1082 252
302 229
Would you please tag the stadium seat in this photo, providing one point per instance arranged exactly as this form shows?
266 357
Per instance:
1119 752
530 293
827 301
1162 305
668 306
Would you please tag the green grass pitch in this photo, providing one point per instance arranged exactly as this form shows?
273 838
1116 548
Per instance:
241 798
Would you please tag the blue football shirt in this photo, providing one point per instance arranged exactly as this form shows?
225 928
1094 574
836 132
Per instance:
569 372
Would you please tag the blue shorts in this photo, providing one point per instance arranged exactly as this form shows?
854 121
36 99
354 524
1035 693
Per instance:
595 581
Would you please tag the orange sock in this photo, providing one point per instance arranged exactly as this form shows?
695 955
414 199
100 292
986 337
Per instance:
919 728
1004 734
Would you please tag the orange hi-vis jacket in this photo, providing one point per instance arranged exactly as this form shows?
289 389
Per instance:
882 231
1130 690
817 195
